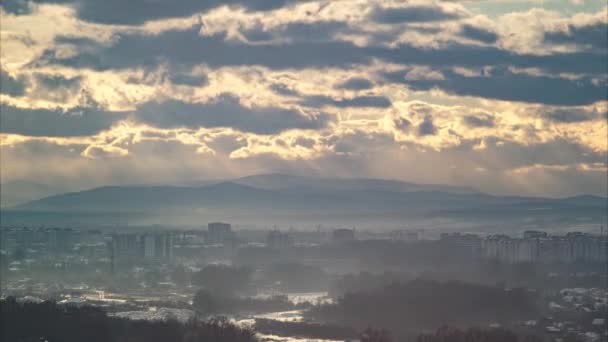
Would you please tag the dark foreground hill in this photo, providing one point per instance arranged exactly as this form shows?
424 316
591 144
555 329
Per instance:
48 321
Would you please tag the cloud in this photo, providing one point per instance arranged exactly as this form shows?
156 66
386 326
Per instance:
427 127
358 101
356 83
18 7
593 35
188 80
292 32
402 123
227 111
501 154
348 88
503 84
508 165
423 73
303 141
10 85
56 122
137 12
412 14
284 90
479 120
187 48
56 87
569 115
479 34
58 81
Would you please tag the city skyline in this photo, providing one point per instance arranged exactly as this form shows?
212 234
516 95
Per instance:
508 97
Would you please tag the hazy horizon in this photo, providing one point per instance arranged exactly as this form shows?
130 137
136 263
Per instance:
198 182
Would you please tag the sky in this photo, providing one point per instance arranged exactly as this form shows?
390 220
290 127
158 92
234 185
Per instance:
507 96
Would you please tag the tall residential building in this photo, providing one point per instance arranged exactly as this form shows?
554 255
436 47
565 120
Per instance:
343 235
125 249
218 232
534 234
573 247
149 246
277 240
470 244
3 239
24 238
405 235
163 246
506 249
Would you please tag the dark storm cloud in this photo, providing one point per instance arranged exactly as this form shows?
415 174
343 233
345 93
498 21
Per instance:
304 142
10 85
569 115
226 111
371 101
258 35
478 120
479 34
503 84
594 35
136 12
82 43
184 49
17 7
56 123
478 56
318 31
284 90
412 14
359 101
402 123
298 32
56 87
188 80
356 84
187 48
427 127
58 81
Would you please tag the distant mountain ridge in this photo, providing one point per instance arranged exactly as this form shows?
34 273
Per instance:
272 198
285 199
287 182
141 198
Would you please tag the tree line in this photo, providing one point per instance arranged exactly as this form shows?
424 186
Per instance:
52 322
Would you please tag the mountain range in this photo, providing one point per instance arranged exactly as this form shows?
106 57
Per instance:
287 198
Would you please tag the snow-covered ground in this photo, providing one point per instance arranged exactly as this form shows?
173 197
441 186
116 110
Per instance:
157 314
